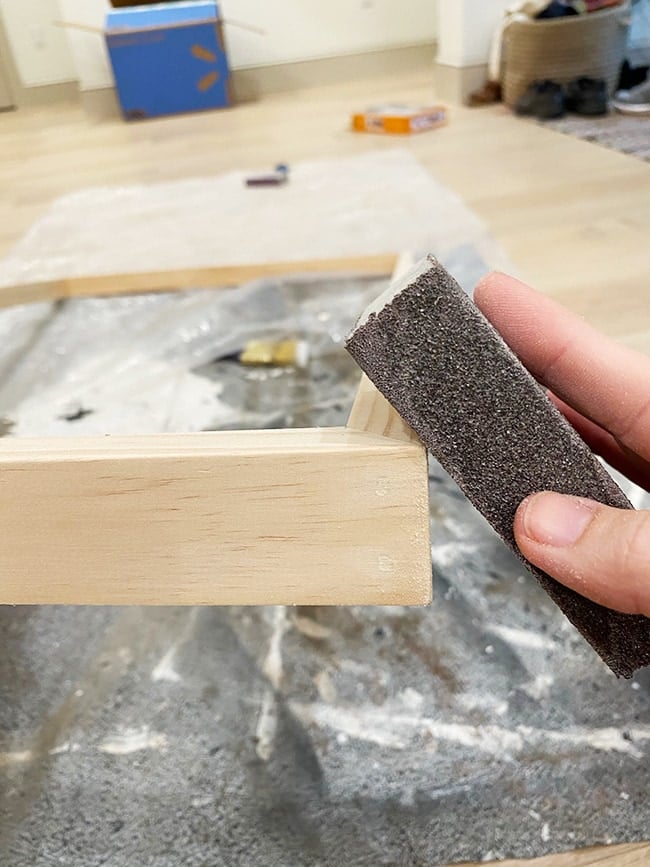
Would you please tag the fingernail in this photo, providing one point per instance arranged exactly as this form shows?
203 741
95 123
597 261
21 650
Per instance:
556 519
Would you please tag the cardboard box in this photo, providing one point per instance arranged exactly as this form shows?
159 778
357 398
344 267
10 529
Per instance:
168 58
399 119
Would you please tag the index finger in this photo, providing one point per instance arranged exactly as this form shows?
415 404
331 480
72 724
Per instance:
602 380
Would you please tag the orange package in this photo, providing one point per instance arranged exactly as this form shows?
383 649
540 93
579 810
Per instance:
399 119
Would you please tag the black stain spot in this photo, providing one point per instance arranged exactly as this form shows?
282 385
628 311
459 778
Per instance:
77 414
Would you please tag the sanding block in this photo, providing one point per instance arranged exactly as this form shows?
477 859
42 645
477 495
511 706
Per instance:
447 371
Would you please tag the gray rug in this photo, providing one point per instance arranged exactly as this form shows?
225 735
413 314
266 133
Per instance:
619 132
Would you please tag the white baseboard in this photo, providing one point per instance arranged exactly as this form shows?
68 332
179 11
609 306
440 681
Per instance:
455 83
252 84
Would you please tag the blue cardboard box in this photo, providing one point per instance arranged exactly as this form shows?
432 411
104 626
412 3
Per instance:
168 58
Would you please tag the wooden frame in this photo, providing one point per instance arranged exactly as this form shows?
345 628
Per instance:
167 519
334 516
621 855
219 276
311 517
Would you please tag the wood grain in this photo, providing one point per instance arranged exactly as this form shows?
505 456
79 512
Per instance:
372 412
310 517
188 278
625 855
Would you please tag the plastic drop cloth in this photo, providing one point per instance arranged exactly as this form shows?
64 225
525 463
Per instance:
373 203
476 728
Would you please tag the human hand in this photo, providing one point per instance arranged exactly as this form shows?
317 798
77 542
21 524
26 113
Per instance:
603 390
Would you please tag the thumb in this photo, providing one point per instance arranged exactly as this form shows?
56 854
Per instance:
599 552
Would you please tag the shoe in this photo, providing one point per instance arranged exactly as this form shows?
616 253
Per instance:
630 76
587 96
488 94
635 101
543 100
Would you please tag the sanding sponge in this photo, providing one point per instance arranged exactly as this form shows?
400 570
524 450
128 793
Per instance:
449 374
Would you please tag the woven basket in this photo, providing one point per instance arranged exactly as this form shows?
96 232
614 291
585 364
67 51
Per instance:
564 48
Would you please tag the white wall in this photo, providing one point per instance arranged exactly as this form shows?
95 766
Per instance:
465 29
88 50
295 30
40 50
309 29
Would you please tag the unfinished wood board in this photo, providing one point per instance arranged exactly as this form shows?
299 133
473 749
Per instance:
188 278
371 411
625 855
310 517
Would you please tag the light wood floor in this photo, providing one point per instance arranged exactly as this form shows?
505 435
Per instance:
574 218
